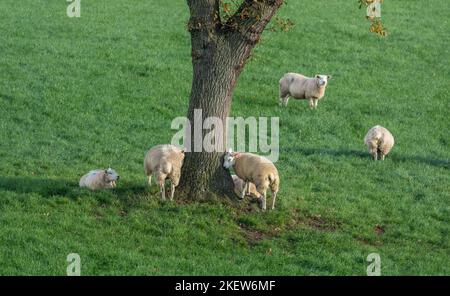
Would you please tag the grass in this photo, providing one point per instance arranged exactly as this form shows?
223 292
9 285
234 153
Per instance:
78 94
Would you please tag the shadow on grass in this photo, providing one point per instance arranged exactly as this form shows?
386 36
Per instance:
45 187
6 97
325 151
444 163
60 187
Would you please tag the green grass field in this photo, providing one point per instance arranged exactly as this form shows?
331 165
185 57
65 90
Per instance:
79 94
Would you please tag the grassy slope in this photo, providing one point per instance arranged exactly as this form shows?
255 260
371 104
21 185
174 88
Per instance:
76 94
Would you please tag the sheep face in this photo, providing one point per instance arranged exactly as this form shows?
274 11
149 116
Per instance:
229 159
322 80
111 177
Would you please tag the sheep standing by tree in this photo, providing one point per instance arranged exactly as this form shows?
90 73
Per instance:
379 141
301 87
257 170
165 161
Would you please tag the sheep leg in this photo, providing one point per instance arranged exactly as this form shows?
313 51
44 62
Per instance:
172 191
243 191
274 198
284 94
262 191
162 190
315 103
161 182
248 188
311 103
373 150
263 201
382 156
375 156
150 180
284 100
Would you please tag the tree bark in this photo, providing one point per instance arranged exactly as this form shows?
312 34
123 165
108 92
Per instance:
219 52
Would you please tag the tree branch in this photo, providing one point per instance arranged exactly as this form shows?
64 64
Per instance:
203 25
251 18
205 15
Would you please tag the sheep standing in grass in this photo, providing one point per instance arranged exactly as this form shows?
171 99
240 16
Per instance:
379 141
100 179
303 88
257 170
239 185
165 162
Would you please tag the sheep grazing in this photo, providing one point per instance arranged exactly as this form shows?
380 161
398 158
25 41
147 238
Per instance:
239 185
303 88
100 179
255 169
379 141
165 162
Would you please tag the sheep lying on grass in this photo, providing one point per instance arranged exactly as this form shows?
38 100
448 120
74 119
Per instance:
239 185
303 88
100 179
379 141
256 169
164 161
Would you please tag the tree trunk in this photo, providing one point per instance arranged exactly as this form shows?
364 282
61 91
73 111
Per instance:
219 52
215 75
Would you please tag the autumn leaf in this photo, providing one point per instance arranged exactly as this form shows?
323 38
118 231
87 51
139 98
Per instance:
227 7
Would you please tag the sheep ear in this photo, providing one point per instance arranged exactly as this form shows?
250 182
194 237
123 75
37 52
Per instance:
328 77
317 76
106 171
230 150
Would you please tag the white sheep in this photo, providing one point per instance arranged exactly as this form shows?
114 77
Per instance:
379 141
303 88
255 169
239 185
100 179
165 161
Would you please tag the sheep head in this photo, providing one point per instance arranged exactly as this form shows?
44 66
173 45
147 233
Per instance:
230 158
322 80
111 177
